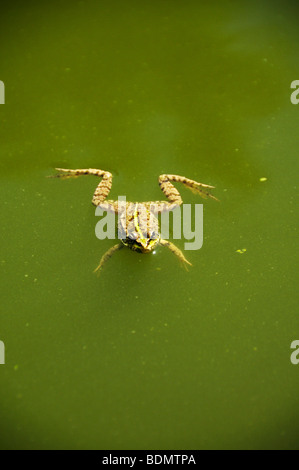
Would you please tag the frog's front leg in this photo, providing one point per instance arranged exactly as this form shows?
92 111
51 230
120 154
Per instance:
174 249
108 255
102 189
173 194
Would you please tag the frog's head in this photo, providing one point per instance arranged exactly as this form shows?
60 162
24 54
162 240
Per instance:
146 245
137 242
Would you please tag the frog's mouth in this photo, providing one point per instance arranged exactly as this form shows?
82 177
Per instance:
148 244
143 245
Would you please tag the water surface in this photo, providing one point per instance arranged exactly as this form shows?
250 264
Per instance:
149 356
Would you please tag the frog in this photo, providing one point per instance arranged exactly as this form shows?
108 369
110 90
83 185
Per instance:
137 222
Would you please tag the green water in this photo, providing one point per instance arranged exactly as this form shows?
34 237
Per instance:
149 356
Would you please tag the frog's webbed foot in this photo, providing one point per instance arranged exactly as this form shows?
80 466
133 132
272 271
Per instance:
102 189
65 173
108 255
173 194
174 249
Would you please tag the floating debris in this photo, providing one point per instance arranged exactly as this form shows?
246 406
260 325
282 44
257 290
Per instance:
263 179
241 251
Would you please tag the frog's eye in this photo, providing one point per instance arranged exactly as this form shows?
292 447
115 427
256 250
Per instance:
153 235
133 235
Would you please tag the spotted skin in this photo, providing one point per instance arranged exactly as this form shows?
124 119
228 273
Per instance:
137 222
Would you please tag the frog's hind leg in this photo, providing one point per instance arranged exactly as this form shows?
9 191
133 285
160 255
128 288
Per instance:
108 255
174 249
173 194
102 189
